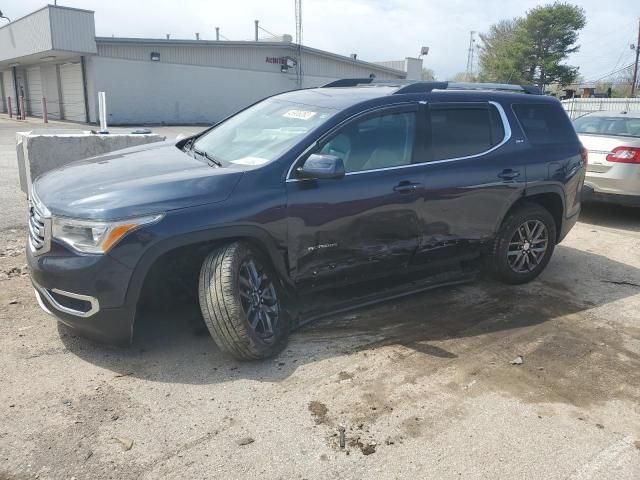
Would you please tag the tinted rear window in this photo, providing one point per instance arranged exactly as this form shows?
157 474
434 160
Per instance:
545 124
463 130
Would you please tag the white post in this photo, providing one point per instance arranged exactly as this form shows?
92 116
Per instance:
102 112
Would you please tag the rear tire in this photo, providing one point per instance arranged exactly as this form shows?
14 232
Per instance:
524 245
241 302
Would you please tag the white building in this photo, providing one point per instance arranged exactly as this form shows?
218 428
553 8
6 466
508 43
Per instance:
53 53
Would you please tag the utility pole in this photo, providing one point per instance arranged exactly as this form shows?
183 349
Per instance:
470 53
298 15
635 67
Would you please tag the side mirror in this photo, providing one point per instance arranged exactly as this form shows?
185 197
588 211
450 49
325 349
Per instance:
322 166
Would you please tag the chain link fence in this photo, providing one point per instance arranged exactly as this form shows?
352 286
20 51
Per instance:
576 107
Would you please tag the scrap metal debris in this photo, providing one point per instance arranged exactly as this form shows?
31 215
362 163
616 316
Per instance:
342 439
517 361
245 441
126 443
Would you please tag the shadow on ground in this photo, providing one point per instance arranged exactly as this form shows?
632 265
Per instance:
167 350
611 216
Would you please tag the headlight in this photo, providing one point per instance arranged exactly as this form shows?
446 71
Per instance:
93 236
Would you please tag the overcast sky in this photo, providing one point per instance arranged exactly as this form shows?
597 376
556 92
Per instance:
374 29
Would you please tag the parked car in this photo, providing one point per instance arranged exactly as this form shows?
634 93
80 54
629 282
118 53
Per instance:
306 191
613 142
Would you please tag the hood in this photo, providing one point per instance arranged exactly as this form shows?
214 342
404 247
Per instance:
137 181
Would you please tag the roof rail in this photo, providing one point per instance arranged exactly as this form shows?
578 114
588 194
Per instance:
422 87
426 87
504 87
408 86
362 82
348 82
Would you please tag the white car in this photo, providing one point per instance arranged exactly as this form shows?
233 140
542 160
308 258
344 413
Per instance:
613 142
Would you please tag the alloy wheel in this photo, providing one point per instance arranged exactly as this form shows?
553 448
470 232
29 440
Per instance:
259 299
528 246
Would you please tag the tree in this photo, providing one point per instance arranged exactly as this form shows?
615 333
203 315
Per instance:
464 77
498 59
532 49
428 74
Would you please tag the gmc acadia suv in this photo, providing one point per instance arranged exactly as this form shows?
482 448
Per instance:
395 187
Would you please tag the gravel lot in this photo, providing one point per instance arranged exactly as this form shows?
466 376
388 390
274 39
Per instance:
423 386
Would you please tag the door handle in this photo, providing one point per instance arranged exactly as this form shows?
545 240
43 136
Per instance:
508 174
407 187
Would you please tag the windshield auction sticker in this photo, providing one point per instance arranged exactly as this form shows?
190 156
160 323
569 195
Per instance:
250 161
299 114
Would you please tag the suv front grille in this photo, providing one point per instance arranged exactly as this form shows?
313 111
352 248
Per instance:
39 229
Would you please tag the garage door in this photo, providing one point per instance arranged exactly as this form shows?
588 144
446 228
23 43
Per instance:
9 90
72 92
34 91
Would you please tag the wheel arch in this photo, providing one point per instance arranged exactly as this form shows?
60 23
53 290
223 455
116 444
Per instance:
199 244
550 197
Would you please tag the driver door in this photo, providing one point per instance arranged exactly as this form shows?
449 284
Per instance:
366 223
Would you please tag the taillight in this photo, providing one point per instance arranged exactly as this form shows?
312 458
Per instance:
624 155
584 154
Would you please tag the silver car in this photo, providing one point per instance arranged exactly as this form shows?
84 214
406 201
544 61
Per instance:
613 142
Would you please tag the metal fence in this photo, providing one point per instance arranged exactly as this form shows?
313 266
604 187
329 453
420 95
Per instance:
577 107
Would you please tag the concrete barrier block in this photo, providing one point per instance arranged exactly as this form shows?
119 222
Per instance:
39 151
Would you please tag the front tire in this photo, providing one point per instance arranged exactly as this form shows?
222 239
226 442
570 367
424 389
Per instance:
524 245
241 302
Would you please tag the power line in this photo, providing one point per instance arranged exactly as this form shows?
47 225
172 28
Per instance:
267 31
610 74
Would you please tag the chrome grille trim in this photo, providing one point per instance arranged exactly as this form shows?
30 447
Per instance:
39 226
94 305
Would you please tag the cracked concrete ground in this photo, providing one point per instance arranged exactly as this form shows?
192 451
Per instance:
423 386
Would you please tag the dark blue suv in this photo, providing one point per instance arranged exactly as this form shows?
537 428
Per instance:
307 202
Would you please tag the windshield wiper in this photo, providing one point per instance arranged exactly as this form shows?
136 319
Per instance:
209 157
188 145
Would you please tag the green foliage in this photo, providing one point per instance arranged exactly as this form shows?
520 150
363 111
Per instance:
499 58
464 77
532 49
428 74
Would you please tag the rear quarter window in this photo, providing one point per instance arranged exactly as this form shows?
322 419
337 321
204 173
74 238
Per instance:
463 130
545 124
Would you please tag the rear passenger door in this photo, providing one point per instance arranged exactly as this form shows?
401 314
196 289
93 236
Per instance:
552 151
470 177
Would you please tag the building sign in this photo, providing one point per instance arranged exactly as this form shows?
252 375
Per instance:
288 61
277 60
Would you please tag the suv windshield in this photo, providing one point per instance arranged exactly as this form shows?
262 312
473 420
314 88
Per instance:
616 126
263 132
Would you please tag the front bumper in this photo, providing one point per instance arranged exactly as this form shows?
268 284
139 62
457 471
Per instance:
85 292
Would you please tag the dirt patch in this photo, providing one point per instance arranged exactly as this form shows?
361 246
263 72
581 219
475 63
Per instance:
319 411
344 376
367 448
477 341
